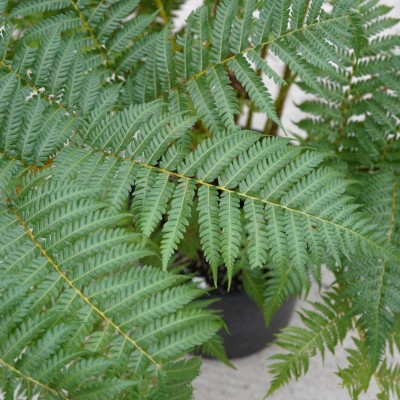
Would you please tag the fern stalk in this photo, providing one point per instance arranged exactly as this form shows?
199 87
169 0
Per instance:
271 128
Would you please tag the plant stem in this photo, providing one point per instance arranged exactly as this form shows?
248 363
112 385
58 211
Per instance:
163 12
165 18
249 121
271 128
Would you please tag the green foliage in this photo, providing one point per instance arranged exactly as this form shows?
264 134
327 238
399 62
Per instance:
325 326
117 133
70 294
356 118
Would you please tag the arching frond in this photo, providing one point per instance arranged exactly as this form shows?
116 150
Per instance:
64 256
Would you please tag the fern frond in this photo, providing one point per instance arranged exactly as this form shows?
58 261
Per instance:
224 95
288 55
177 219
357 376
30 7
231 230
264 24
103 111
242 27
221 30
210 232
165 60
325 326
80 268
201 95
201 29
8 169
389 379
180 373
254 87
258 238
377 302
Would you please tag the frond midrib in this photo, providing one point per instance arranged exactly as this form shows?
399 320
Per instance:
197 75
30 379
372 244
77 291
252 48
308 344
91 33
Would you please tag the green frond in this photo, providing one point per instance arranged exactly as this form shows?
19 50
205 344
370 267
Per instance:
325 326
58 70
287 54
299 11
164 60
280 17
239 168
254 87
266 168
214 347
280 287
177 219
254 284
72 264
116 133
242 28
357 375
263 26
156 205
210 231
115 16
231 234
262 65
224 95
130 56
221 30
62 22
45 57
29 7
257 232
124 38
276 236
8 169
201 28
180 373
314 11
201 95
184 58
389 379
218 160
377 302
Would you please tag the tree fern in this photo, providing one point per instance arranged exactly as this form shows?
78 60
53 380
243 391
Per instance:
324 327
364 136
72 262
116 131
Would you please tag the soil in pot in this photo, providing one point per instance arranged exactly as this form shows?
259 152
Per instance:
247 332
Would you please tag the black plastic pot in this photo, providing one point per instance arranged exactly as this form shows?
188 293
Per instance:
244 319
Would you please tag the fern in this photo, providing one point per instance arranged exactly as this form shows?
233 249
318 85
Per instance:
356 119
73 264
117 133
324 327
